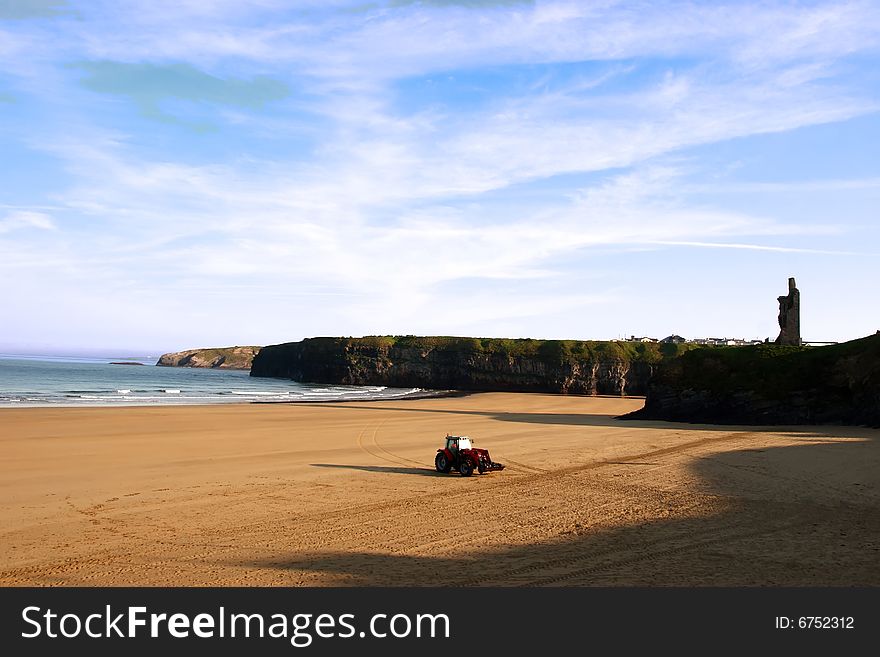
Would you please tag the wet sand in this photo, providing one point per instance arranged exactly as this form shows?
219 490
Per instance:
346 494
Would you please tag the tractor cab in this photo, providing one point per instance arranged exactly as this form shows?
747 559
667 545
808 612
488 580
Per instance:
455 443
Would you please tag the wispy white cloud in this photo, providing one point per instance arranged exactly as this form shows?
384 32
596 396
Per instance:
387 42
24 219
213 221
758 247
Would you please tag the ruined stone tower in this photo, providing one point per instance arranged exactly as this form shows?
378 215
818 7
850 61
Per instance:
790 316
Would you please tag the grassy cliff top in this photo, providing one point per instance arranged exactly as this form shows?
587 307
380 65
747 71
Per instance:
555 350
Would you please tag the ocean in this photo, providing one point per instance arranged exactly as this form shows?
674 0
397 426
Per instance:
48 381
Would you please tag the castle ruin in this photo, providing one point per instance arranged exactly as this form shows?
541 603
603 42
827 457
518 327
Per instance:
790 316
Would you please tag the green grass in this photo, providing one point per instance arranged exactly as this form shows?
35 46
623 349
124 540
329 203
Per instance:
550 351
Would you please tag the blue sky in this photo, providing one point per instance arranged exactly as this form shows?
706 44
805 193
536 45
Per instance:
181 174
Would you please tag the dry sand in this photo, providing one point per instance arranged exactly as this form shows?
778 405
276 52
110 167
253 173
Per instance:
346 494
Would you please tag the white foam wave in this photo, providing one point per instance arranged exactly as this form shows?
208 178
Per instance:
411 391
206 395
101 397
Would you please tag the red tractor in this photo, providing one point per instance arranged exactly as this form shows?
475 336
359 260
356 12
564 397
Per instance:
461 455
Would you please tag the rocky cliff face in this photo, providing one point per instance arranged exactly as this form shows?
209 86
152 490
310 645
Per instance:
770 384
465 364
231 358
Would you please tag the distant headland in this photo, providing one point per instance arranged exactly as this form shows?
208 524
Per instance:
231 358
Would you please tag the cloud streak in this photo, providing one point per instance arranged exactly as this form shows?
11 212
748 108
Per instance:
759 247
25 219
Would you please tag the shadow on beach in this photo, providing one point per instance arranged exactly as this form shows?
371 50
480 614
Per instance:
618 422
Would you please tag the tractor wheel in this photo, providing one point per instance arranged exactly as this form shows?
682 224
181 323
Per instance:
442 464
466 468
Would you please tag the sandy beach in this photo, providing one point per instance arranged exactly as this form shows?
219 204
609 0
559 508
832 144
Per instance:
346 494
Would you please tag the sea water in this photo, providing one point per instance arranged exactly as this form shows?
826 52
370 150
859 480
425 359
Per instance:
45 381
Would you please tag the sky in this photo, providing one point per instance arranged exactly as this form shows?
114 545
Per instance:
191 173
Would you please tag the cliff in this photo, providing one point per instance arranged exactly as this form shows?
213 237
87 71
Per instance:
565 366
230 358
770 384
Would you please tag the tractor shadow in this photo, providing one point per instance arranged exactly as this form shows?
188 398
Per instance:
384 469
802 514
